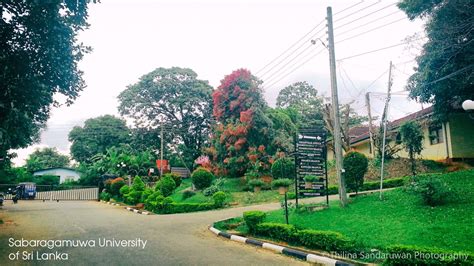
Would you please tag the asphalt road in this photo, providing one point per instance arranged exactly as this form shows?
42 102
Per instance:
179 239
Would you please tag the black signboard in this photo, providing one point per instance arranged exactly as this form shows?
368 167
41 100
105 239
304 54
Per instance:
310 158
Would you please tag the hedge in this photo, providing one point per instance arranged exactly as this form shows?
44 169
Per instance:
175 207
253 218
412 255
284 232
324 240
373 185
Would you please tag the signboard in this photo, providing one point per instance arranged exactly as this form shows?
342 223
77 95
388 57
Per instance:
310 158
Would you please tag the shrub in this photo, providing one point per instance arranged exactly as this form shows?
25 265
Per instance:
133 197
124 190
108 185
281 183
138 184
324 240
310 178
188 194
253 218
291 195
174 207
219 199
146 193
116 185
355 166
105 196
256 183
283 232
283 168
333 189
412 255
432 190
167 185
202 178
210 190
153 200
177 179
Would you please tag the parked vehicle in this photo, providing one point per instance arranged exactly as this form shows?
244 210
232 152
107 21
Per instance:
27 190
2 198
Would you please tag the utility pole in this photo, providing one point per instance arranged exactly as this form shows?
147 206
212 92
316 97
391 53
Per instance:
335 110
369 113
161 151
384 121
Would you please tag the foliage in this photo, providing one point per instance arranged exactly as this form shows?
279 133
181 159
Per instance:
355 165
283 168
412 140
135 192
304 98
282 232
211 190
449 52
253 219
432 190
167 185
116 186
284 125
324 240
202 178
105 196
124 190
46 158
310 178
46 180
219 199
172 96
281 183
177 178
188 194
413 255
39 59
96 136
242 124
256 183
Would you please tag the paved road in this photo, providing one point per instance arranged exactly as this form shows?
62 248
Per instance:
179 239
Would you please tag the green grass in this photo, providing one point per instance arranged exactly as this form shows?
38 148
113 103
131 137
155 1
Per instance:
248 198
177 196
400 218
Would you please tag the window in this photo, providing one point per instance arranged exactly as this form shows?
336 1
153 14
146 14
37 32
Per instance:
436 135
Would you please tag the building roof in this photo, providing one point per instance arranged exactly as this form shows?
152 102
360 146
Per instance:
362 133
52 168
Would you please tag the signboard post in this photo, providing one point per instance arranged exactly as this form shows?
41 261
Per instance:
310 159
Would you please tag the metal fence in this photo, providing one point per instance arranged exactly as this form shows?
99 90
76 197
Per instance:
57 192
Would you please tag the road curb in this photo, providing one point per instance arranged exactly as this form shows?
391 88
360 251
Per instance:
313 258
126 208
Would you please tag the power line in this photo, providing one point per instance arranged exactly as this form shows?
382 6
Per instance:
369 22
355 12
348 8
362 17
289 48
373 29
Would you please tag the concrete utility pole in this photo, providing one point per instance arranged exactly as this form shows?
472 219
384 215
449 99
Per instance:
161 151
369 113
335 109
385 117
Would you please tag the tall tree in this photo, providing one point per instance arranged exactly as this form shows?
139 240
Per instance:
46 158
176 98
444 74
96 136
38 58
304 98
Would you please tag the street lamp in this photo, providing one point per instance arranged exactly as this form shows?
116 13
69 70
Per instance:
468 105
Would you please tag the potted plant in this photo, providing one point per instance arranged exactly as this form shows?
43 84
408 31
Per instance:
256 184
282 185
309 180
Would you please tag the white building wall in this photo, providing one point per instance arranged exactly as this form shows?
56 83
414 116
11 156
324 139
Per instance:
64 174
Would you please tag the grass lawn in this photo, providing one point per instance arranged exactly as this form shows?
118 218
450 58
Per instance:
400 218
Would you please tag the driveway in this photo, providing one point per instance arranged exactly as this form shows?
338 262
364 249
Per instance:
179 239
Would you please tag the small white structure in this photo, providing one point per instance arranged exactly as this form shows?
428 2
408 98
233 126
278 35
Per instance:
65 174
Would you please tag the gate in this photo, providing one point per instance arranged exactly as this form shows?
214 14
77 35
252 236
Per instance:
56 192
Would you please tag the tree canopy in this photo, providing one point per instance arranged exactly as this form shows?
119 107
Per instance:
96 136
444 74
38 59
46 158
176 98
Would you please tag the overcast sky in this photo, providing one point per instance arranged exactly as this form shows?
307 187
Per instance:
131 38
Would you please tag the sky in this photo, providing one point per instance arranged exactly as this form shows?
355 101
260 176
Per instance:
130 38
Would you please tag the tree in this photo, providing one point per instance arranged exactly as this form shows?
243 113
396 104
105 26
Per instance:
46 158
355 166
96 136
304 98
173 97
412 141
244 133
444 73
38 59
